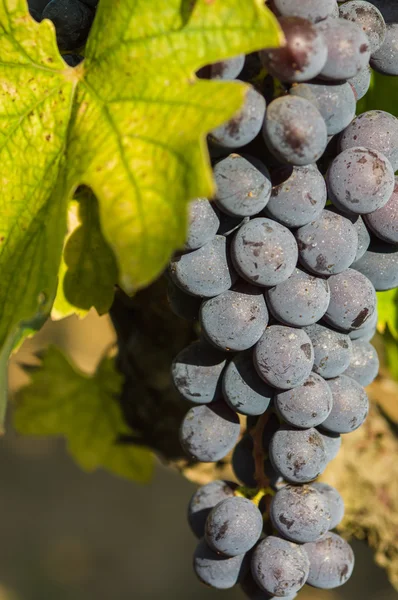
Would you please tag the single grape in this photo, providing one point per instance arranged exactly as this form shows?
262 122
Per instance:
300 513
335 502
348 49
203 224
352 300
183 305
72 59
235 320
307 405
243 185
350 405
233 526
243 390
328 245
205 272
385 60
72 20
298 195
264 252
335 101
253 592
376 130
302 57
208 433
298 455
362 232
245 126
196 372
332 442
284 357
364 365
332 350
204 499
225 69
294 131
331 562
361 83
243 462
219 572
384 221
313 10
360 180
380 265
300 300
367 16
279 567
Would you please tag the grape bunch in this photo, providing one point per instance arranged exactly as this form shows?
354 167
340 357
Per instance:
280 272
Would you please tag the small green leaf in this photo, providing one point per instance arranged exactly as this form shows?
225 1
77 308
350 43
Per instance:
88 272
129 122
387 308
61 401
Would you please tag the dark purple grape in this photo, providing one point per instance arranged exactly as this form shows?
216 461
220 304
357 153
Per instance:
352 300
295 131
284 356
298 195
298 455
334 502
360 180
364 365
385 60
376 130
244 391
279 567
332 350
300 300
203 224
328 245
243 185
331 562
233 526
204 499
302 57
300 513
361 83
348 49
244 127
197 371
350 405
332 443
209 432
335 101
307 405
183 305
264 252
235 320
217 571
367 16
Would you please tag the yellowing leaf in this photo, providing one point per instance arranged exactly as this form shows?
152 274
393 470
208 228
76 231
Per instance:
61 401
387 308
129 122
88 270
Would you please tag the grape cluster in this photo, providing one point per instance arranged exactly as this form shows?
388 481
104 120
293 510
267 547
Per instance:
281 273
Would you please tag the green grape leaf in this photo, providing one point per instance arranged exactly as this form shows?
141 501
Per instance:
62 401
88 270
391 353
129 122
387 308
